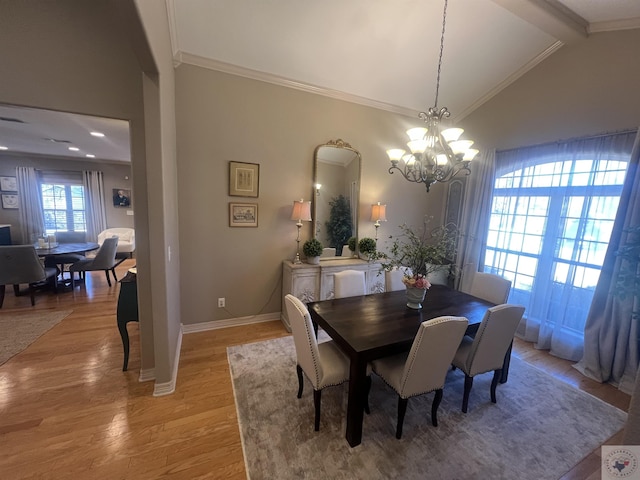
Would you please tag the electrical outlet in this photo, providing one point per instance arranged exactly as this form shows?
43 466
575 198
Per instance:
221 303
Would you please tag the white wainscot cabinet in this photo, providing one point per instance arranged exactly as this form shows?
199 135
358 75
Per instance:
311 283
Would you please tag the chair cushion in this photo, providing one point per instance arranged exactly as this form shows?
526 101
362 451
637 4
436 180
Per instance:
335 365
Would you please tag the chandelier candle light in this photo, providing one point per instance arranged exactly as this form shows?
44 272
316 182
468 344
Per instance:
437 155
301 213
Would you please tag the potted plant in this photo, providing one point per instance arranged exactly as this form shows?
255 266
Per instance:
312 249
424 254
367 248
339 226
352 243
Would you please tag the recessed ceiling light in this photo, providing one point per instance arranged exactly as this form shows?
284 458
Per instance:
2 147
90 155
74 149
97 134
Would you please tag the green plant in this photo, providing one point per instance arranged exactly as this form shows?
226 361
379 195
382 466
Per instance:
312 248
339 226
367 247
425 252
352 243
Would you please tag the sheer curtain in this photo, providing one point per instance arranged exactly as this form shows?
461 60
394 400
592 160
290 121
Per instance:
552 216
31 214
612 334
95 203
475 218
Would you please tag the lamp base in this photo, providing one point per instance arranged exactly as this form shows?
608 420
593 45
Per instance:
297 259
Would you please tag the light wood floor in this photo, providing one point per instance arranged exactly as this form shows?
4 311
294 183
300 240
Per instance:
67 411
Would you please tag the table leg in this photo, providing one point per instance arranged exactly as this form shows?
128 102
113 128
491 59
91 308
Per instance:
505 365
356 401
122 327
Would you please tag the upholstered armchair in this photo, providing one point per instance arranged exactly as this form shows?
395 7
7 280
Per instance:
126 240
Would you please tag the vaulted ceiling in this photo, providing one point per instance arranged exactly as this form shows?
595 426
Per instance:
375 52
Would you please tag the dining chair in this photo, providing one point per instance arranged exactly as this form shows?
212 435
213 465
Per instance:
424 368
105 260
349 283
393 278
20 264
490 287
486 352
324 364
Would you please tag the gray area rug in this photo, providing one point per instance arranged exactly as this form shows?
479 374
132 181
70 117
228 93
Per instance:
21 330
539 429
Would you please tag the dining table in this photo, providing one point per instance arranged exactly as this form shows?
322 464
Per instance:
66 248
373 326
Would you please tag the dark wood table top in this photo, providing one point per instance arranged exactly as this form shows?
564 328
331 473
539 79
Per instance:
381 324
66 248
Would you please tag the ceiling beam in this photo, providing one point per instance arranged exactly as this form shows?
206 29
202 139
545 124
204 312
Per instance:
549 16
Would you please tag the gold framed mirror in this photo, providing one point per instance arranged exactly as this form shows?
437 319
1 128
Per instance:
336 196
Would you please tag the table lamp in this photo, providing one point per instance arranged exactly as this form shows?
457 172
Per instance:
378 214
301 213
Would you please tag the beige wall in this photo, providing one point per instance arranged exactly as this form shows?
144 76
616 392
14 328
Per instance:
589 87
222 118
114 177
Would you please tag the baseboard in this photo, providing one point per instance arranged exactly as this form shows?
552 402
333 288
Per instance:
167 388
230 322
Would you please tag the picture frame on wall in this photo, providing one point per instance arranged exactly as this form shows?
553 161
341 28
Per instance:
244 179
10 201
8 184
121 198
243 214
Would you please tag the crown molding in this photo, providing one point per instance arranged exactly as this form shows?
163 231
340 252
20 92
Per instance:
196 60
509 80
613 25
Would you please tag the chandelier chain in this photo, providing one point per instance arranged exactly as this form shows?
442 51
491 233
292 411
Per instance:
444 21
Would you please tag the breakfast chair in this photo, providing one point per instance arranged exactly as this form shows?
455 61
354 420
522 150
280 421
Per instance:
20 264
324 364
424 368
105 260
349 283
490 287
486 352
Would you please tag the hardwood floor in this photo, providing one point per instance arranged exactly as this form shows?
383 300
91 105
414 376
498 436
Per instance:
68 411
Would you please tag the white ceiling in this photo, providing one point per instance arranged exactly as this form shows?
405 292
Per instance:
375 52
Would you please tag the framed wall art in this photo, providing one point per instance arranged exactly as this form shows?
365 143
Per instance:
8 184
244 179
9 200
243 214
121 197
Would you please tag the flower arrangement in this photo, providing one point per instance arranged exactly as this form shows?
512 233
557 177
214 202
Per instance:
416 281
421 253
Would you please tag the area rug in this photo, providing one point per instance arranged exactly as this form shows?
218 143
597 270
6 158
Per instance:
21 330
539 429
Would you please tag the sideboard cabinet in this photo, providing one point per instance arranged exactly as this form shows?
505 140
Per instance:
311 283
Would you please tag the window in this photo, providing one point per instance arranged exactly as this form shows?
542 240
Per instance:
63 203
549 230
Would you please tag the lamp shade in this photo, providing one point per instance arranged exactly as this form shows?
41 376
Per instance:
301 211
378 213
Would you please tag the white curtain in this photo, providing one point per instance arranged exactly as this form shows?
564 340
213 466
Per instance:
95 209
475 218
612 333
31 213
556 201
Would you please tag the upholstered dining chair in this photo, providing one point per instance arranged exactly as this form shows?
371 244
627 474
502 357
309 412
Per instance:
393 278
490 287
20 264
349 283
324 364
424 368
486 352
105 260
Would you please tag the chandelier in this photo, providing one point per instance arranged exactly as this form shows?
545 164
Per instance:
436 154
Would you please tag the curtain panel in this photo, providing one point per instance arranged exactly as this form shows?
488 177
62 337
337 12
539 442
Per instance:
31 213
95 203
